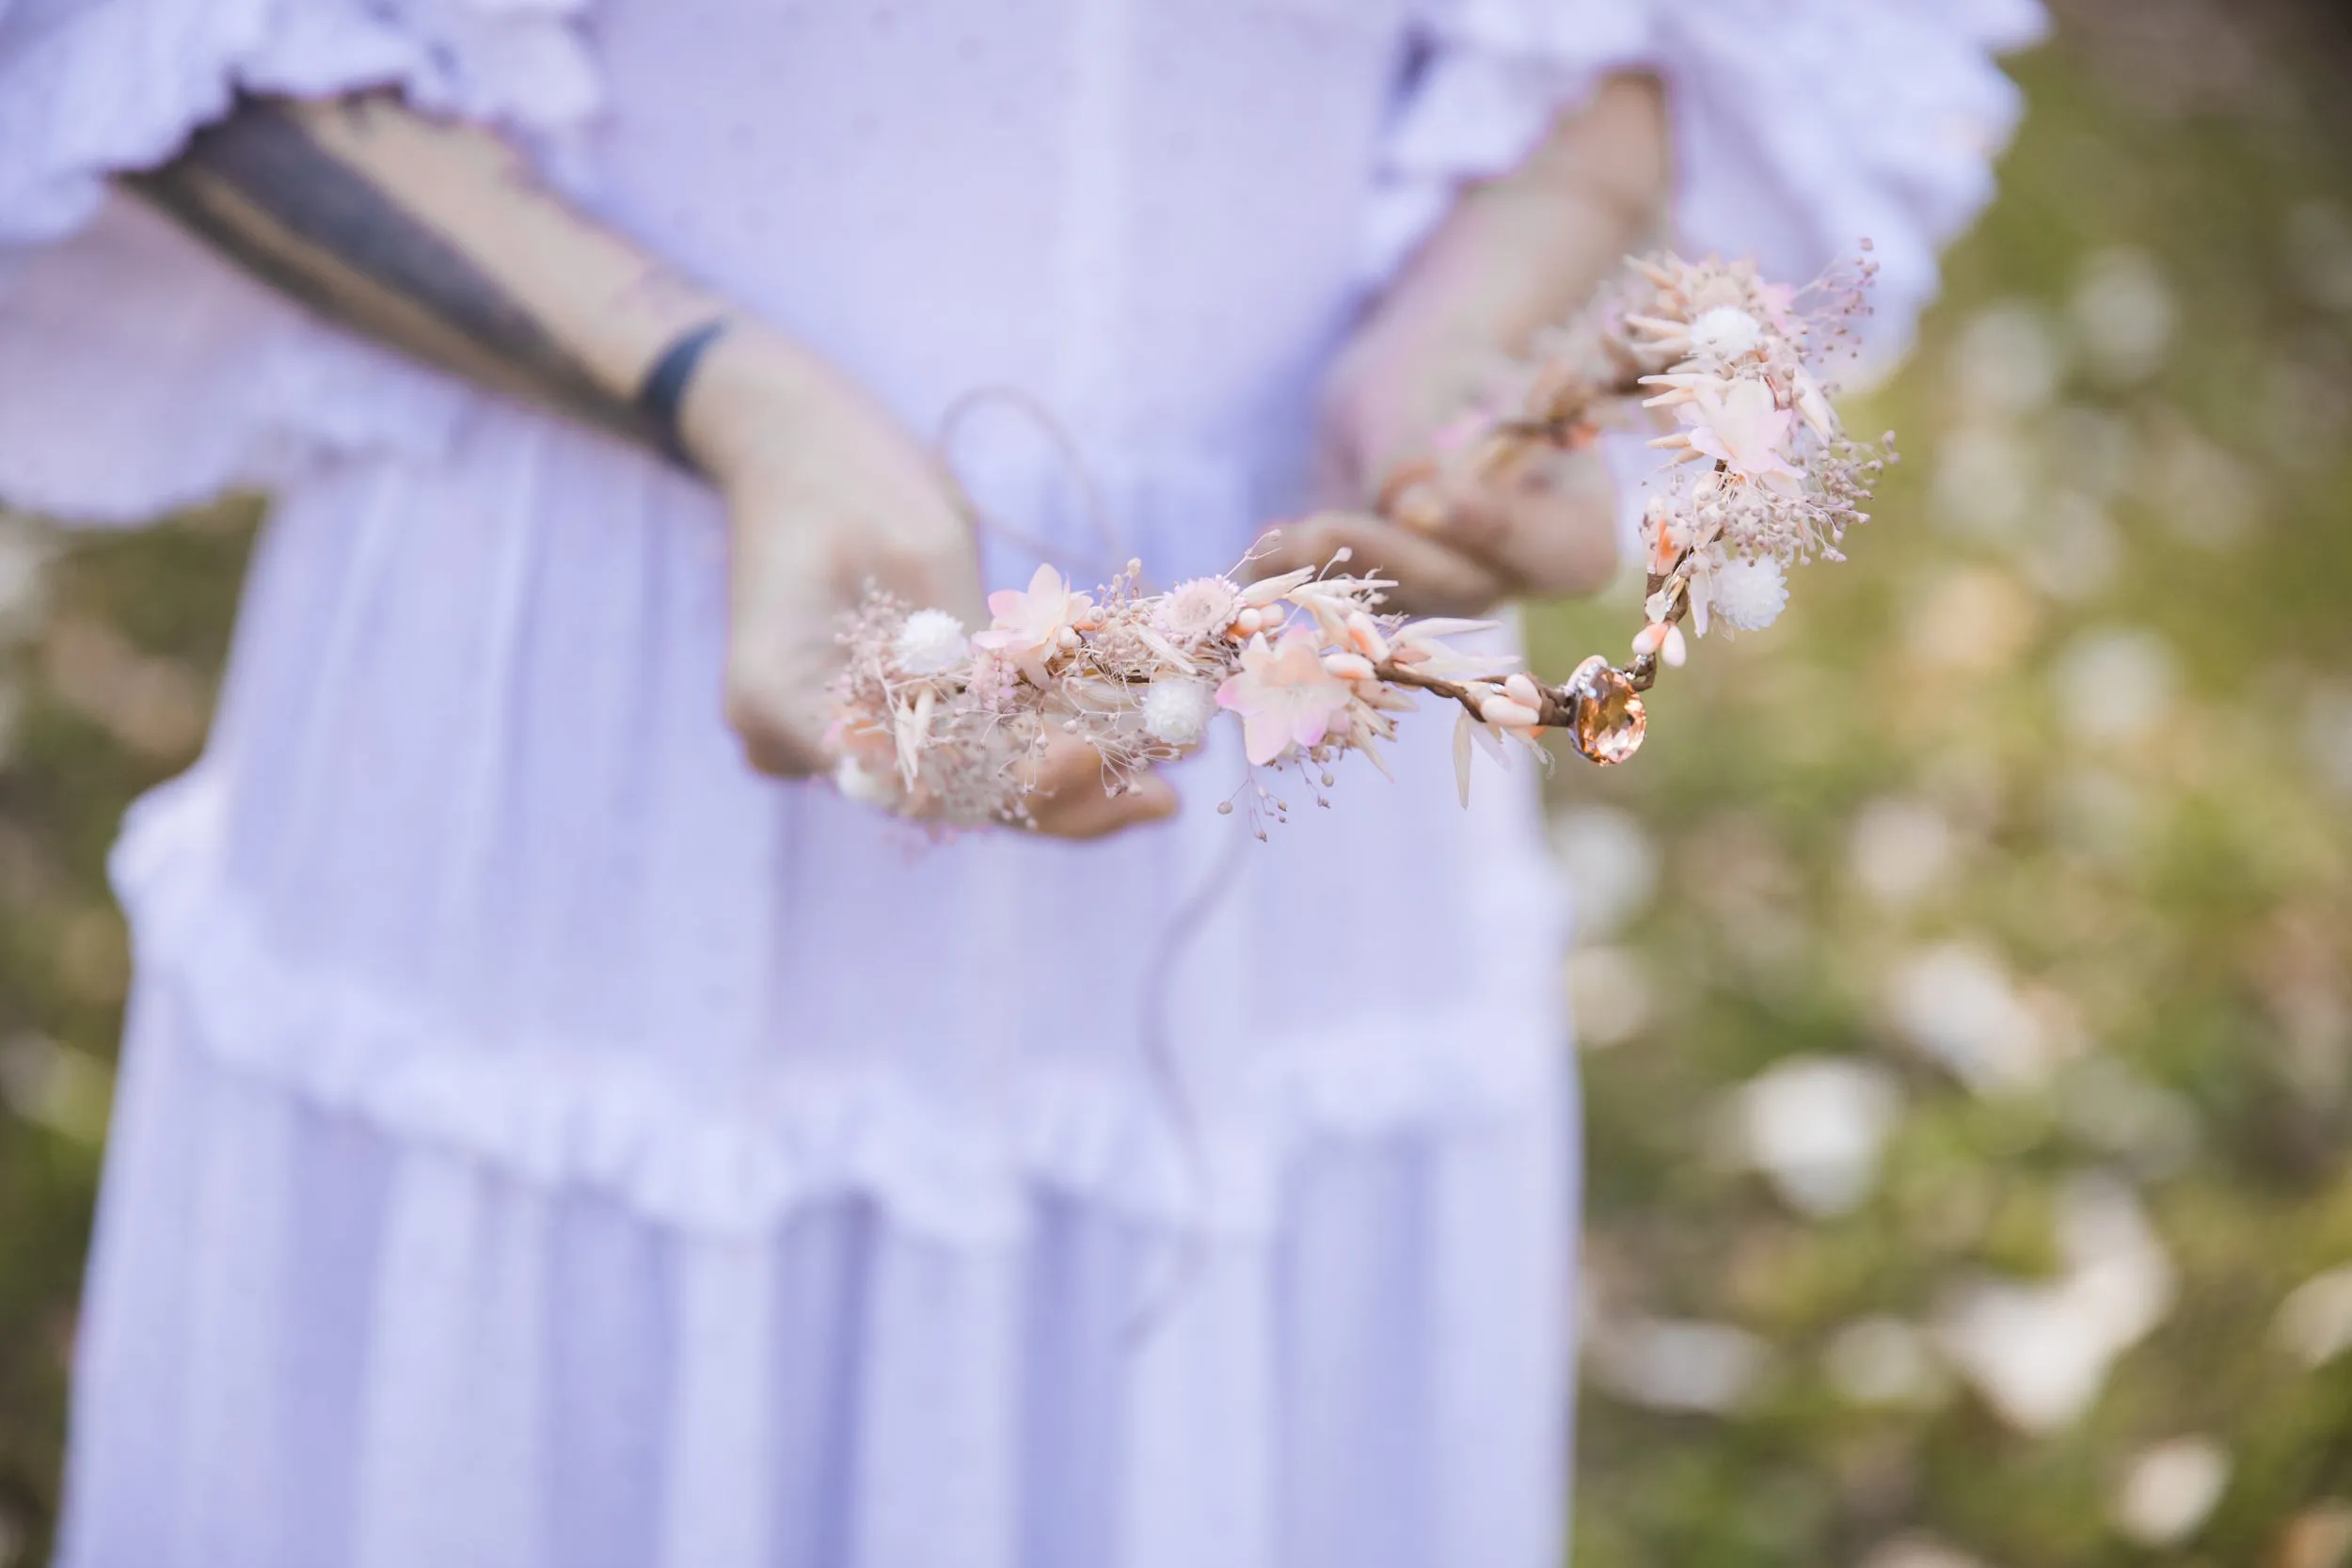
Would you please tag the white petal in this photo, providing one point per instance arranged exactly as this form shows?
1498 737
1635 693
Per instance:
1442 626
1462 727
1259 594
1490 740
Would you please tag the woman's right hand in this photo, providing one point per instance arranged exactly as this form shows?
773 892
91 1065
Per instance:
827 497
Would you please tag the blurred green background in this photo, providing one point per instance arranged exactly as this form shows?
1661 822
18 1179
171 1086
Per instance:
1966 972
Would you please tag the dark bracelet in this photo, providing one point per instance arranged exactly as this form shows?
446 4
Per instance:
664 386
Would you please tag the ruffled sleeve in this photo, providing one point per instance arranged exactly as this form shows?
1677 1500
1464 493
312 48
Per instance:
139 371
1801 127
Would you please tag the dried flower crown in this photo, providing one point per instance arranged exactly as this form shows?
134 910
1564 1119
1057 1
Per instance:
936 724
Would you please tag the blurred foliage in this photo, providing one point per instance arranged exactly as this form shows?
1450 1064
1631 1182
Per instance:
1966 981
113 646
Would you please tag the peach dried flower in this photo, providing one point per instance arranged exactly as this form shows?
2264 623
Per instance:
1283 696
1200 607
1030 624
1740 427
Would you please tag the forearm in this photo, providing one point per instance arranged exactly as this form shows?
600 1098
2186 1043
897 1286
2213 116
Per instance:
1527 249
436 240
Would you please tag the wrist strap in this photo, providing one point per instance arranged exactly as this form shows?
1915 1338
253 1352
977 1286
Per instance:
664 386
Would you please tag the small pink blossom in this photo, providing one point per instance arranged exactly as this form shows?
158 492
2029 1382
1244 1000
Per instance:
1030 627
1740 427
1283 696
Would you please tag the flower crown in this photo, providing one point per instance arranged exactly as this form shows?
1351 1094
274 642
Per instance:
936 724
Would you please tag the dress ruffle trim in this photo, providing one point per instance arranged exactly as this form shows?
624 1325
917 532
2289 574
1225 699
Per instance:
1801 127
565 1116
137 371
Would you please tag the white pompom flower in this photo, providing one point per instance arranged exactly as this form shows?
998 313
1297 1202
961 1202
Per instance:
930 643
1750 593
1177 711
1725 333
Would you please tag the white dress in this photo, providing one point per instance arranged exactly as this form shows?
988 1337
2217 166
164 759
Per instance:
543 1143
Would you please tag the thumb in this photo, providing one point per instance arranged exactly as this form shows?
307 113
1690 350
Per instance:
781 662
1069 797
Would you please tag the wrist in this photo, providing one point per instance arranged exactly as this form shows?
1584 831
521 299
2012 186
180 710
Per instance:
1526 248
1395 386
1416 343
747 383
663 388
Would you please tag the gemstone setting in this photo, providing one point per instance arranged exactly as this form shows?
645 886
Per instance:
1610 719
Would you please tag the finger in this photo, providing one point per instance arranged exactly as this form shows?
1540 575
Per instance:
949 580
952 573
944 574
1431 578
955 586
1067 797
782 658
782 753
1544 522
1567 547
1089 812
936 582
778 704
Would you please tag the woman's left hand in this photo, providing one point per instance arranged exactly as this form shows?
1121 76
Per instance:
1515 254
1541 529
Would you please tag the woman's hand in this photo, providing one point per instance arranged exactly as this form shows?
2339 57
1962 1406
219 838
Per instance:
1515 254
1539 529
434 239
826 497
